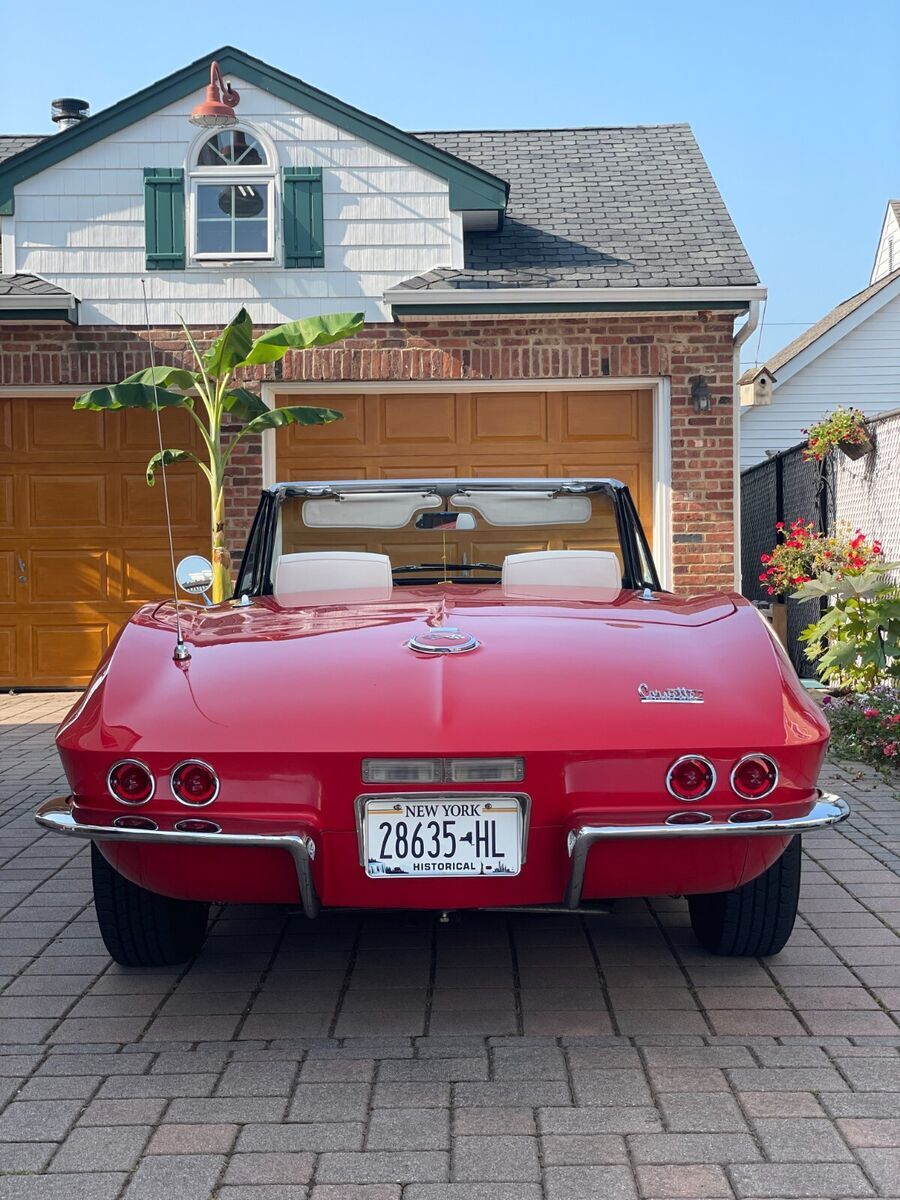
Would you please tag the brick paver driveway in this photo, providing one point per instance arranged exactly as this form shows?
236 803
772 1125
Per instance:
490 1058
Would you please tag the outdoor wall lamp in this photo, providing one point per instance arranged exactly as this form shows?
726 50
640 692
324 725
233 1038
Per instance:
217 110
700 397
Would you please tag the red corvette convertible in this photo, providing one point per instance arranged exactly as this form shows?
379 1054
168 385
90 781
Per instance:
443 694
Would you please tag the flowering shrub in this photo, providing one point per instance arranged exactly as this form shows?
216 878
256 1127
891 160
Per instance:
866 727
805 553
842 425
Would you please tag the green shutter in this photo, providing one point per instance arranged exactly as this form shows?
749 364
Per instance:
304 232
164 218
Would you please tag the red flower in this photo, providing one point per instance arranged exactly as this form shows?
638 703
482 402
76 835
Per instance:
894 720
870 712
779 524
890 749
765 558
771 591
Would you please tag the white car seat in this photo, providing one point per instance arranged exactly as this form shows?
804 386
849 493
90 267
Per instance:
562 568
331 571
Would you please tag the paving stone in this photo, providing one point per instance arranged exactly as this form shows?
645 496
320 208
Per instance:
38 1120
122 1112
314 1137
511 1093
104 1185
801 1141
384 1166
486 1121
610 1087
468 1191
358 1191
499 1158
701 1112
599 1120
329 1102
163 1176
455 1070
582 1149
870 1133
101 1149
882 1165
409 1129
192 1139
257 1079
280 1167
589 1183
25 1157
411 1095
684 1183
785 1180
658 1148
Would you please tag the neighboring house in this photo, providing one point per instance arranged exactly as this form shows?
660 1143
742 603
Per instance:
850 357
539 302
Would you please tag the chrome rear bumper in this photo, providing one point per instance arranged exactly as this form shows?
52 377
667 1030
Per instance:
56 814
827 810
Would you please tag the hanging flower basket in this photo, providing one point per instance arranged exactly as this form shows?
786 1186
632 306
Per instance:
842 429
858 449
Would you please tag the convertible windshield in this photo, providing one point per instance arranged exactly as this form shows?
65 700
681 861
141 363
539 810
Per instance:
467 534
383 534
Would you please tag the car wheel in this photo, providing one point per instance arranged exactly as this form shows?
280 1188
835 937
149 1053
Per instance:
755 919
140 928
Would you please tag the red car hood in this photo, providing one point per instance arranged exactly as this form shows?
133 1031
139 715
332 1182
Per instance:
548 674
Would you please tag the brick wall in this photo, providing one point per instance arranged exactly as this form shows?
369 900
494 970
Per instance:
681 346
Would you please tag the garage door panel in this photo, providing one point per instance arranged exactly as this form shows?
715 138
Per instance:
67 650
509 470
74 575
405 419
341 435
7 576
512 418
602 417
144 507
68 501
147 570
7 502
8 653
137 433
56 427
424 468
6 426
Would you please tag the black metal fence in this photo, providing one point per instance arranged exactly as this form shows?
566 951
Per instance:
783 488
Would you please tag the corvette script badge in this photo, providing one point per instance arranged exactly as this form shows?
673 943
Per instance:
672 695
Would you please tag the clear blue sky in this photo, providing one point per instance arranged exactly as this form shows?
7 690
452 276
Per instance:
795 103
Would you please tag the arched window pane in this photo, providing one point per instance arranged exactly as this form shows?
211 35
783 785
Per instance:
231 148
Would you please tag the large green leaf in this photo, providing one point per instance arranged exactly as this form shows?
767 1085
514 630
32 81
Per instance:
166 377
167 457
301 335
243 405
231 346
131 395
299 415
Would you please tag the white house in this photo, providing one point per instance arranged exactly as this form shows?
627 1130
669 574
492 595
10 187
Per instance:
850 357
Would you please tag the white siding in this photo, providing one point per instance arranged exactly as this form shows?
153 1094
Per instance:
887 256
80 224
861 370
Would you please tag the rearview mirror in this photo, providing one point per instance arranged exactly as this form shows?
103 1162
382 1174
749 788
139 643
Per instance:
445 520
194 574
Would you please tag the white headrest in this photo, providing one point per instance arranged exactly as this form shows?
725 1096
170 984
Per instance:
562 568
332 571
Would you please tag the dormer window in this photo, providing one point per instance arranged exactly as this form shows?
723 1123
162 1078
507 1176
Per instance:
233 199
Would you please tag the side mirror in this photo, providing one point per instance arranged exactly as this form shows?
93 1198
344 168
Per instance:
194 574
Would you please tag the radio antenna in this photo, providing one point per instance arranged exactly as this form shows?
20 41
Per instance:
181 654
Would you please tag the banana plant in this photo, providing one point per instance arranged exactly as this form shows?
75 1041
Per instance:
212 398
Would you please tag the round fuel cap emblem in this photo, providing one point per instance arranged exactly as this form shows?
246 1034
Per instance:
446 639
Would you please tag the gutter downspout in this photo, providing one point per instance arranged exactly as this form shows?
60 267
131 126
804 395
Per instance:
739 338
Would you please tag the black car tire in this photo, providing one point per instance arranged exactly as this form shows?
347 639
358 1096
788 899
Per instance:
141 928
756 919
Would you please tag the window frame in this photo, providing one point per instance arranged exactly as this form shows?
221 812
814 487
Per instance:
257 175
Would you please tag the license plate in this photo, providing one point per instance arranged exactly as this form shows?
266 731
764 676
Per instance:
426 838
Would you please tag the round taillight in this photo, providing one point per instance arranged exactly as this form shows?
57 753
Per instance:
130 782
754 776
689 818
195 783
690 777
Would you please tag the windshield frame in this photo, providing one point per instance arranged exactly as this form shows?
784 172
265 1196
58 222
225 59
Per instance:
255 575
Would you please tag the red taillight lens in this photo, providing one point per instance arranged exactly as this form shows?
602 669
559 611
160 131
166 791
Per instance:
689 818
195 783
690 778
130 782
746 816
754 776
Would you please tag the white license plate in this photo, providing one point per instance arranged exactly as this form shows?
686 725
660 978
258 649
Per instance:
426 838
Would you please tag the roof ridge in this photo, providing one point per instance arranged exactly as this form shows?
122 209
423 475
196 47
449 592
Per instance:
556 128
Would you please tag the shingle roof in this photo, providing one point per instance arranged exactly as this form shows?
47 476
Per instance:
27 286
837 314
15 143
606 207
616 207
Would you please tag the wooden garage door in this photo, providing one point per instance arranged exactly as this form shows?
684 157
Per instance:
82 537
480 434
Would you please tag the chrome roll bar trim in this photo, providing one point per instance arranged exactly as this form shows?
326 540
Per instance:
56 815
827 810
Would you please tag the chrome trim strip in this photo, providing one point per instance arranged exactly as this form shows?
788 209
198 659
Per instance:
56 815
691 758
131 803
194 762
765 758
827 810
359 805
